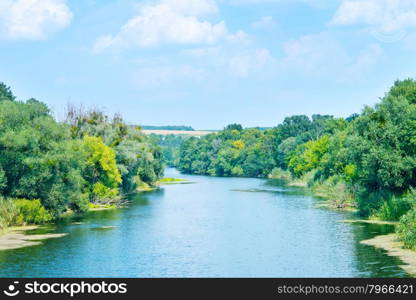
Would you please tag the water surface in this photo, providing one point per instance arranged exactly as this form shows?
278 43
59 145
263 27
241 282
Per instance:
215 227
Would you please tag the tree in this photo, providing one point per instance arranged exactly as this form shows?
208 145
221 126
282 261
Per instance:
234 126
404 88
6 93
101 170
38 158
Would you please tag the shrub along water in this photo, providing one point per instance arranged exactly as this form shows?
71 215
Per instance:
8 212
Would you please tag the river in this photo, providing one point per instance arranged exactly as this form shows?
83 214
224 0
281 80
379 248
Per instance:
213 227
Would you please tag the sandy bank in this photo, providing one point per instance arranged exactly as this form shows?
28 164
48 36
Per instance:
393 247
370 222
298 183
15 238
102 208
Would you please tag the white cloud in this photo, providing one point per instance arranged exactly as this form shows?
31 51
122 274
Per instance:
314 3
265 22
192 7
323 55
314 53
384 16
33 19
168 22
238 60
366 60
242 64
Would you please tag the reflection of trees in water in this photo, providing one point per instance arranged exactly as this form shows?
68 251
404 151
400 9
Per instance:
10 261
144 198
371 261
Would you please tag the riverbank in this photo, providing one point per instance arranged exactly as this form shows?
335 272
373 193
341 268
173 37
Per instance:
144 187
378 222
393 247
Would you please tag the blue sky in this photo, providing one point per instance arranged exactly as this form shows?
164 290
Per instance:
207 63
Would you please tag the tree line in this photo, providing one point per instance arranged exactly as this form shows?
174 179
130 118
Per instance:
48 168
367 160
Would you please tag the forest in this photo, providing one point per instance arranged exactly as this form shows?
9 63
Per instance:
366 161
50 168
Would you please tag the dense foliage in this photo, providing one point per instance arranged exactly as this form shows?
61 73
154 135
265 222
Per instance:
369 157
252 152
170 145
48 168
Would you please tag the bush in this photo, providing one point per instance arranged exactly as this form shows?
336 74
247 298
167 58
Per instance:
31 212
8 212
279 173
385 205
406 230
335 190
103 192
370 202
393 208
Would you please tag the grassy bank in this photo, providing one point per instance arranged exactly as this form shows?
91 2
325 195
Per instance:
169 180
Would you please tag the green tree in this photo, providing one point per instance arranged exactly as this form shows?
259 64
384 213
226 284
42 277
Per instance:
6 93
101 170
38 159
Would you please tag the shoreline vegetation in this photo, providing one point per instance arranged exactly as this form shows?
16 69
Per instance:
51 169
332 197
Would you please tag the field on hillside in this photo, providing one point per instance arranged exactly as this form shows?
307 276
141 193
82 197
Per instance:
178 132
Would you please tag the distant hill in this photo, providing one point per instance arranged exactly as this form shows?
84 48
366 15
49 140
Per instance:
176 132
180 127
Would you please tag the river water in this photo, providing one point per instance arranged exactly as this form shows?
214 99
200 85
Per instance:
213 227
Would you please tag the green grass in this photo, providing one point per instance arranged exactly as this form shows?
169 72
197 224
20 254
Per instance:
101 206
169 179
